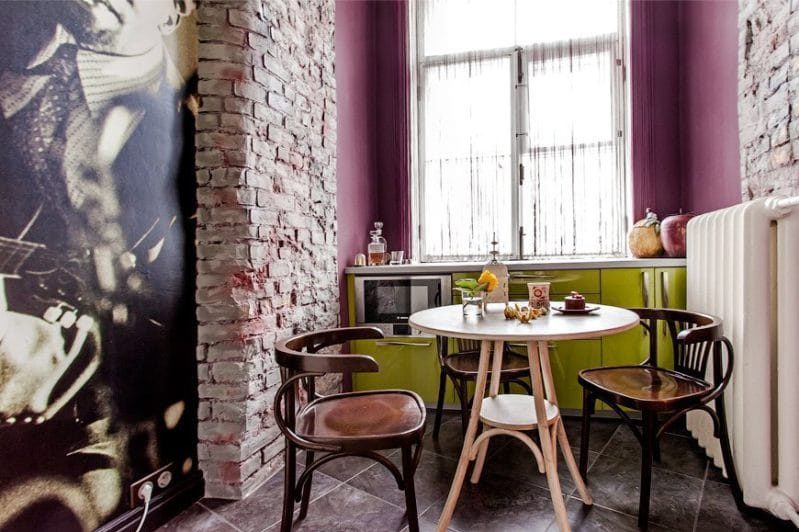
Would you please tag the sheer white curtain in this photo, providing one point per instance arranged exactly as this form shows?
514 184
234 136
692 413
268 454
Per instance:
467 157
517 128
574 196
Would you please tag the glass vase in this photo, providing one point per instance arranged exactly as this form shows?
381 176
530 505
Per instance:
473 304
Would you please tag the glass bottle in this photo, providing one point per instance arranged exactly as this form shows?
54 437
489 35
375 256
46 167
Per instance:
376 250
500 293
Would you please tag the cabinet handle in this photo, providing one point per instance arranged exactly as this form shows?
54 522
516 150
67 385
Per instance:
664 287
645 287
551 345
408 344
531 276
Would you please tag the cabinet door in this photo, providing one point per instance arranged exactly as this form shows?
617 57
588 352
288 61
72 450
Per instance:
669 293
405 363
567 358
627 287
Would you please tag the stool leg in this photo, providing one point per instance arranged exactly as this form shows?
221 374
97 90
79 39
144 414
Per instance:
536 353
289 480
588 408
646 467
410 494
442 386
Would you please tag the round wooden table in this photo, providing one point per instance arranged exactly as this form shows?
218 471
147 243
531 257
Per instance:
510 414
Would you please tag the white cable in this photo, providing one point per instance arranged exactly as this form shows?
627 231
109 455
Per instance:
145 493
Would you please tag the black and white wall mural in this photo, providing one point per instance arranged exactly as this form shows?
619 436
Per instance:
97 330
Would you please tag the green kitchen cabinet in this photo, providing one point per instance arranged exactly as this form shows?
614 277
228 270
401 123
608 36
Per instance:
627 287
405 363
670 286
566 359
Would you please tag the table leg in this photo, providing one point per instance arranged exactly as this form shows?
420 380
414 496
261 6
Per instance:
471 431
565 448
496 368
535 354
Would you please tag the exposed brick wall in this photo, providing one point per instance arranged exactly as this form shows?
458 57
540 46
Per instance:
768 104
266 238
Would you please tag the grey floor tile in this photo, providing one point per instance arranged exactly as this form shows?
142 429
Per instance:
719 512
601 431
517 461
598 519
499 504
197 519
677 453
352 510
428 524
450 439
674 501
431 481
264 506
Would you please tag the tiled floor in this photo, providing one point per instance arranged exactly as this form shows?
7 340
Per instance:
360 495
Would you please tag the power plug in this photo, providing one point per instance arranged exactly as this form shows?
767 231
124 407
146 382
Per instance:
146 491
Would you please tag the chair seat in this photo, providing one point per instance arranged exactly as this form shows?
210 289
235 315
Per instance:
467 362
363 420
645 387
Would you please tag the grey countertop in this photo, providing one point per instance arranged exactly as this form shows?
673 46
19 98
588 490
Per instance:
560 263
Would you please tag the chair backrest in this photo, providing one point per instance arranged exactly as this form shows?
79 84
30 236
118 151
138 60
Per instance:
467 345
301 353
694 338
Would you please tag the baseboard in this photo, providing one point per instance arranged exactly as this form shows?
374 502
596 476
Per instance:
163 507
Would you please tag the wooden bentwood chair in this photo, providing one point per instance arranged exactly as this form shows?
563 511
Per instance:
662 395
342 424
461 367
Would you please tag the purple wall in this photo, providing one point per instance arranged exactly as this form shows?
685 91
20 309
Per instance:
711 172
654 107
684 137
357 201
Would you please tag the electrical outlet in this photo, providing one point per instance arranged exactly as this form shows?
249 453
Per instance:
157 478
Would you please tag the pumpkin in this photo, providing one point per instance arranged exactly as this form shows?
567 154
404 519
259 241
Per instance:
644 238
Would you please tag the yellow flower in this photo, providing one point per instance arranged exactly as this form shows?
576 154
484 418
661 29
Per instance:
489 278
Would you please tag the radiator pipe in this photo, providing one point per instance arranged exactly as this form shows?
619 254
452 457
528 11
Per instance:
782 205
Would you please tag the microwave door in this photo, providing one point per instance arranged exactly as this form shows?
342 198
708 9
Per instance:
425 293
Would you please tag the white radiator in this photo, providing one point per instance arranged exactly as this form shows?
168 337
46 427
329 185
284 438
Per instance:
743 266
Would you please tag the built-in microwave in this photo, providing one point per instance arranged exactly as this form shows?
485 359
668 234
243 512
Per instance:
387 302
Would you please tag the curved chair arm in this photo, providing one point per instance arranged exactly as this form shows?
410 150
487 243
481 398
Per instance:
711 332
289 354
288 386
719 386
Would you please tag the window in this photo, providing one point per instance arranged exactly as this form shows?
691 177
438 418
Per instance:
520 128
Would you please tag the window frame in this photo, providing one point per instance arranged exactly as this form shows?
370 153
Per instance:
518 132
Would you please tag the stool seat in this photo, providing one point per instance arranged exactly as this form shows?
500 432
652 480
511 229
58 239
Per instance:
513 411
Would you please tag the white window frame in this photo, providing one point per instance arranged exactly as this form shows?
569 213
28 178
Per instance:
518 133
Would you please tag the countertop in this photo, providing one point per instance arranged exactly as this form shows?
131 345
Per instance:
560 263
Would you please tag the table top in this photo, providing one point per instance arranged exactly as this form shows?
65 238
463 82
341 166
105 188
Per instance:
449 321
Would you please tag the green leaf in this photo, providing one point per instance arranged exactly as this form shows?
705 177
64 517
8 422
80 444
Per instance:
481 287
468 284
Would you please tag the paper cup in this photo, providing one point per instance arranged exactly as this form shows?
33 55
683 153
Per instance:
539 294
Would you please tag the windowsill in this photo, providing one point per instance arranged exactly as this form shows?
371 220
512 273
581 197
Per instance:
550 263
